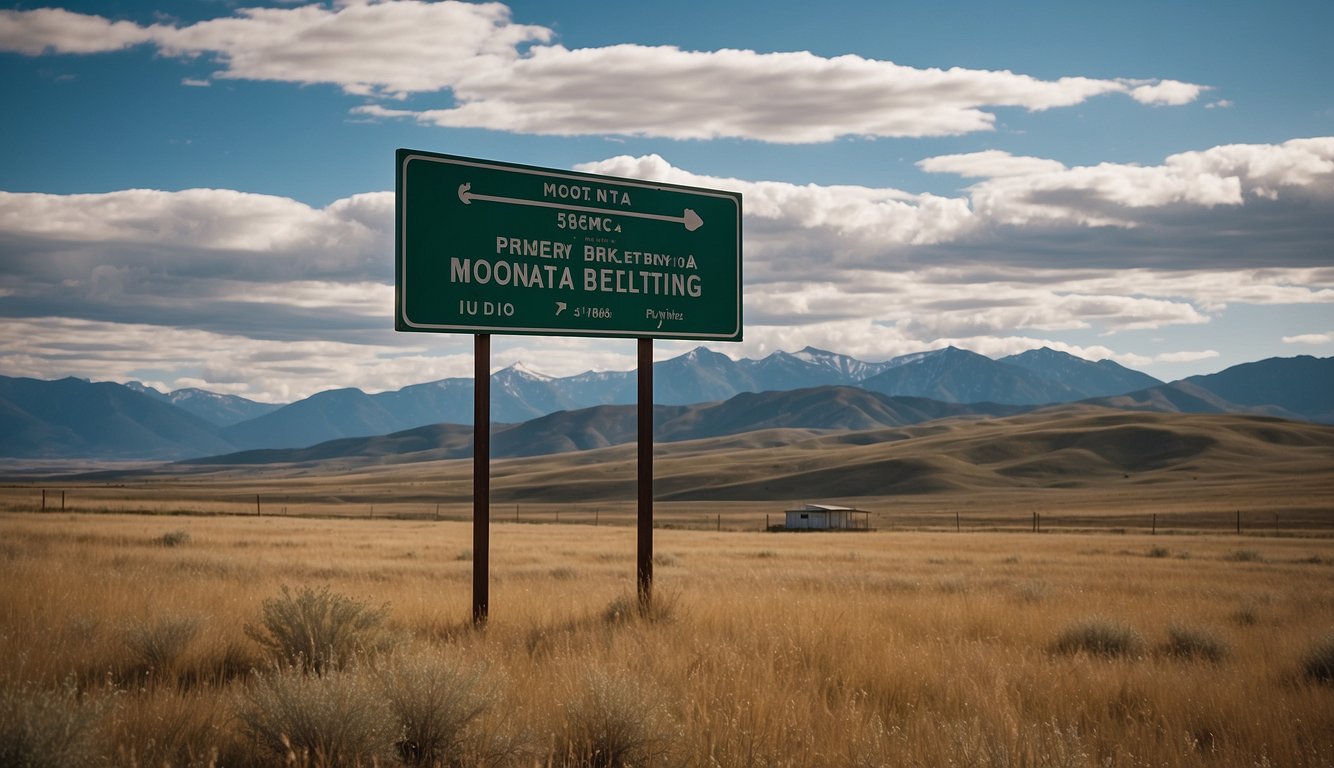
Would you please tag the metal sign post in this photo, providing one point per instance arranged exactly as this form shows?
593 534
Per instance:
481 477
644 518
486 247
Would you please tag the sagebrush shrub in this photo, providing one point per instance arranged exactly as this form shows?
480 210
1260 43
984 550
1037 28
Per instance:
624 608
157 645
442 705
1318 665
40 728
614 719
318 630
1100 637
174 538
337 719
1195 643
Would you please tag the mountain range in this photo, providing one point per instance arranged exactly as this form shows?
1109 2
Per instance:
815 389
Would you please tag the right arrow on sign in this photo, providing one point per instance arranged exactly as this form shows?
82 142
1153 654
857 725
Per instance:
690 219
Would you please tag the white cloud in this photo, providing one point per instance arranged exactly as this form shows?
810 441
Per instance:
992 163
1166 92
1314 339
1185 357
59 31
275 298
217 225
792 97
396 48
261 369
502 76
862 219
1023 190
795 97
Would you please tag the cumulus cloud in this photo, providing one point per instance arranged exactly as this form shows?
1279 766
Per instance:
991 163
1229 208
392 48
203 231
299 294
794 97
1185 188
54 30
174 357
501 75
1185 357
863 220
1314 339
1165 92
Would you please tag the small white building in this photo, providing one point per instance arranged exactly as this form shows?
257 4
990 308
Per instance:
826 517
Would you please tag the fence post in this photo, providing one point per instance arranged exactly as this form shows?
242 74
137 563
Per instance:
43 499
258 513
1239 521
1155 524
957 529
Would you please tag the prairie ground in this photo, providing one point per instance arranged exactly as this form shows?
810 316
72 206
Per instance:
145 640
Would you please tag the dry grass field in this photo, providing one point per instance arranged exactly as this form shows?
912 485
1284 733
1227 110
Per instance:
155 640
318 613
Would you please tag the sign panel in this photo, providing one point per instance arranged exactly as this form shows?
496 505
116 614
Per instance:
488 247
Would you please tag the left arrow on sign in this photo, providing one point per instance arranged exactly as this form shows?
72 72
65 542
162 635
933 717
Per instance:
689 218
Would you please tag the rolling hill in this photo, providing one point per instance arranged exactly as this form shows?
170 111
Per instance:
1067 447
824 409
76 419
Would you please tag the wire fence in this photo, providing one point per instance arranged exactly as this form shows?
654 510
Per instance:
701 516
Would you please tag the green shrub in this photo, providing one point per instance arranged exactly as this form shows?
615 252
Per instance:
1100 637
1193 643
442 705
613 719
319 630
337 719
40 728
1318 666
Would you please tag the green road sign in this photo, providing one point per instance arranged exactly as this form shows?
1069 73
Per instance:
487 247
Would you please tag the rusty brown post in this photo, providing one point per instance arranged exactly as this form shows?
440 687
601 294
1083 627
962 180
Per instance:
481 477
644 557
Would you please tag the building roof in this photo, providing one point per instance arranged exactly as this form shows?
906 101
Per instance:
822 508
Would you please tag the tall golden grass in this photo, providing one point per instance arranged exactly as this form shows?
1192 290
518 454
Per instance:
879 649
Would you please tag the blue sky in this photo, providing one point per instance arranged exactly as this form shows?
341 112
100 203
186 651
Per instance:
200 193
